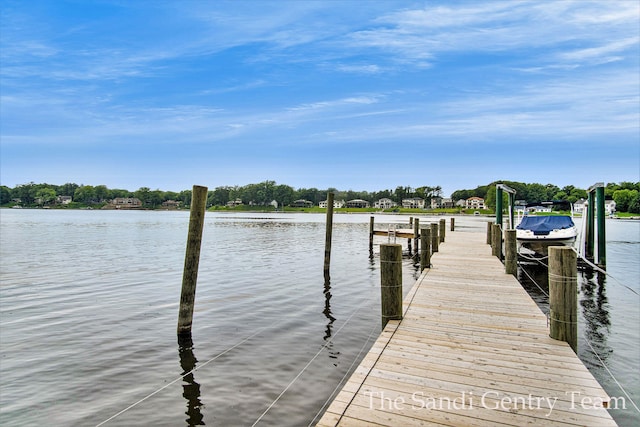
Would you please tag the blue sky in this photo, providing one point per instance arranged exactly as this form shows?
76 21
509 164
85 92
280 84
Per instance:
361 95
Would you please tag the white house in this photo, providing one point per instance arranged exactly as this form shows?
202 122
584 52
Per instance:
581 205
385 204
446 203
413 203
475 203
336 204
609 206
64 200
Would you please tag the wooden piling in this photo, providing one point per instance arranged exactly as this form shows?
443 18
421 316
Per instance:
425 248
371 222
328 233
496 247
435 239
563 295
442 230
192 259
391 282
453 224
489 231
510 253
416 235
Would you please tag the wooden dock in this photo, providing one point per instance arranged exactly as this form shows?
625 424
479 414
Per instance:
400 232
473 349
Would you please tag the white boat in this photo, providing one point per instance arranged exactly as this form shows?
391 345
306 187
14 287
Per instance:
537 233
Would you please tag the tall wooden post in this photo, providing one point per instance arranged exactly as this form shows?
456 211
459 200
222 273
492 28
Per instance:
453 224
425 248
409 239
442 230
328 233
489 233
435 239
510 253
416 235
371 220
391 282
496 248
192 259
563 295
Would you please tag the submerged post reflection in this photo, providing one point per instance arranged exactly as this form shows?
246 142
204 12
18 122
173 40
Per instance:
191 389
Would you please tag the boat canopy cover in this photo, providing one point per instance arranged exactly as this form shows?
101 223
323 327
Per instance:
543 225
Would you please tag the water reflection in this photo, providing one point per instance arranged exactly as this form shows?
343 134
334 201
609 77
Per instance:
595 309
327 313
593 301
191 389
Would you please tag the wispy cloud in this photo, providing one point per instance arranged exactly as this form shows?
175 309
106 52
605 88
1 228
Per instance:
300 75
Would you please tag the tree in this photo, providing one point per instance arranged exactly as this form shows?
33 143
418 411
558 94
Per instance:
218 197
5 194
155 198
67 189
45 196
144 194
102 193
634 205
284 194
185 197
624 199
25 192
85 194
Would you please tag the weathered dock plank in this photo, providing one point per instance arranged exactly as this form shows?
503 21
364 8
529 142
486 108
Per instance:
473 349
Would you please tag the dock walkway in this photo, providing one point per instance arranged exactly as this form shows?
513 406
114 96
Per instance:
473 349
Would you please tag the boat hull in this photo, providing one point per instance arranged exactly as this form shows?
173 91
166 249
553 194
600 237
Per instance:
541 246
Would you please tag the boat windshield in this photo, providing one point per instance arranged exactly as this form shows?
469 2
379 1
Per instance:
543 225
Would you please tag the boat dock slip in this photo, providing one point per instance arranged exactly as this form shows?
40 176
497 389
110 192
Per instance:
473 349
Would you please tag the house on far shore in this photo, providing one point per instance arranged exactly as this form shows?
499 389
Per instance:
171 204
124 203
441 203
475 203
234 203
301 203
63 200
413 203
581 206
358 203
385 204
337 204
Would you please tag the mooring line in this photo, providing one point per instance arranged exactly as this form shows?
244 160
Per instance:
612 376
184 375
341 382
600 270
324 346
533 280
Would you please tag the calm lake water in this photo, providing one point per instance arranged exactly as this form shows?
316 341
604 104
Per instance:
89 305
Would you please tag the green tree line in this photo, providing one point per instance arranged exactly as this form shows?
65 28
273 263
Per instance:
260 194
625 194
